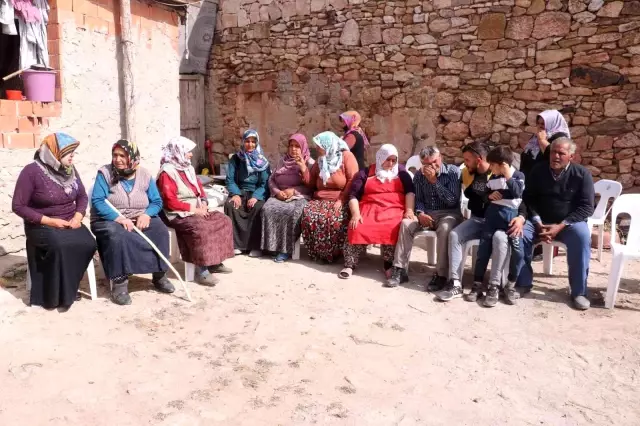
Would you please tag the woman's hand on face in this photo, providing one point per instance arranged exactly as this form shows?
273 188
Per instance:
355 221
252 202
542 135
236 201
143 221
515 227
126 223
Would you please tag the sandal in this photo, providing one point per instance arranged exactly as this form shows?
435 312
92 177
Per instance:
345 273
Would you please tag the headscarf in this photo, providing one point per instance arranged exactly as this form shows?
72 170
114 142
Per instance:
174 156
554 123
133 160
53 148
289 165
352 119
255 160
386 151
332 159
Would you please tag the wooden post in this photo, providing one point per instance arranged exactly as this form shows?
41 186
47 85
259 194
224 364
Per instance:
126 45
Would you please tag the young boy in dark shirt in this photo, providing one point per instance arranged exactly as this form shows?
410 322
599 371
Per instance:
504 189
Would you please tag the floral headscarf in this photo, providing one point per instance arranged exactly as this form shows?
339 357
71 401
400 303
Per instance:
53 148
386 151
352 120
133 160
332 160
554 123
174 155
255 160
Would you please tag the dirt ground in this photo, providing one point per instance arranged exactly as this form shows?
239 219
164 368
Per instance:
294 345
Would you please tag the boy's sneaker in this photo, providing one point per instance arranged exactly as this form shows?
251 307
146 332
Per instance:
398 276
453 290
491 299
510 293
475 293
437 283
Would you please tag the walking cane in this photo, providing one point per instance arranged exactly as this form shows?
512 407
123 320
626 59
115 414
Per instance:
157 250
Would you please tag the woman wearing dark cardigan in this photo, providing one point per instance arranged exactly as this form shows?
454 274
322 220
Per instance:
51 199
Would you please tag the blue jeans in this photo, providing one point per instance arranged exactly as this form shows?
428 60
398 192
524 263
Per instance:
497 218
578 241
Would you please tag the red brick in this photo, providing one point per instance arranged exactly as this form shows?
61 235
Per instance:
25 109
53 32
18 140
9 108
49 109
85 7
27 125
54 47
8 124
58 94
54 61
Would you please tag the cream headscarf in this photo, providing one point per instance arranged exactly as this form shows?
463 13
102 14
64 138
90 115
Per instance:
386 151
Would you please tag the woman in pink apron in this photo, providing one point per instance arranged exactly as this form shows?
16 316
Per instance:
380 197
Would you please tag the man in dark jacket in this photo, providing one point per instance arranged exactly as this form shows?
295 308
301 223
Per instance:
560 198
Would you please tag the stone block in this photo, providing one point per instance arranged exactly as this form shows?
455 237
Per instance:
371 34
550 24
519 28
475 98
509 116
615 108
481 122
350 33
492 26
544 57
610 127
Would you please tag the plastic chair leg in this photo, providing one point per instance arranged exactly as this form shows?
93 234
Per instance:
547 258
91 274
432 250
189 272
174 249
601 241
296 251
617 265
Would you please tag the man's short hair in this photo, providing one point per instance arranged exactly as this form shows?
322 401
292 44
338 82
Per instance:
499 155
429 152
563 140
477 148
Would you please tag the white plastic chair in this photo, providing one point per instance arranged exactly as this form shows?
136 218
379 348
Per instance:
629 204
414 162
296 249
174 256
432 239
91 274
607 189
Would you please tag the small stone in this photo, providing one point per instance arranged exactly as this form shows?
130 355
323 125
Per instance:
492 26
439 25
350 33
455 131
553 56
451 115
524 75
519 28
448 63
615 108
611 10
329 63
604 38
443 100
509 116
371 34
631 8
610 127
495 56
595 5
576 6
584 17
407 40
551 24
481 122
475 98
502 75
403 76
425 39
393 36
537 6
446 81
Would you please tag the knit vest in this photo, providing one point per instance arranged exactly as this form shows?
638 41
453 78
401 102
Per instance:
131 204
184 194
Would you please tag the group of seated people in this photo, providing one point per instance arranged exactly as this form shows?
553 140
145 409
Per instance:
337 204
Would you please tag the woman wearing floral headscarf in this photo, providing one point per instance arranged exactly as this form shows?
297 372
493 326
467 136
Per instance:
247 183
325 218
354 136
282 212
50 198
380 197
132 190
205 238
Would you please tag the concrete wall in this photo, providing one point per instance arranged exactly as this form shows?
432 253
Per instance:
90 109
424 72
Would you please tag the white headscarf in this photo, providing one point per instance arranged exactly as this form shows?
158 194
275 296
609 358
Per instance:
386 151
174 156
554 123
331 161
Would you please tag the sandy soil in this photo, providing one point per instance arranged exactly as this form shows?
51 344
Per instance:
294 345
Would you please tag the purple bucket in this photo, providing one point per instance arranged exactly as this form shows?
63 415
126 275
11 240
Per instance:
39 85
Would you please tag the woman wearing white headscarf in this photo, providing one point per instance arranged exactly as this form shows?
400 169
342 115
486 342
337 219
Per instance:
551 125
381 195
325 217
205 238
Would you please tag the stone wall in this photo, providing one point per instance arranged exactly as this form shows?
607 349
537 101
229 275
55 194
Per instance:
424 72
91 108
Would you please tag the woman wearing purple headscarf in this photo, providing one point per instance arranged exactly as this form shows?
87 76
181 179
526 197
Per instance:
281 214
551 125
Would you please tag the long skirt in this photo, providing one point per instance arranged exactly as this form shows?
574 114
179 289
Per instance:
58 259
324 231
204 241
124 253
352 253
246 223
281 224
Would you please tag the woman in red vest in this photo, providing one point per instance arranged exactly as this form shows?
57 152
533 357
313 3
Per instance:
381 196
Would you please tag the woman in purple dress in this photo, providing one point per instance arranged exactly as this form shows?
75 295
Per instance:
51 199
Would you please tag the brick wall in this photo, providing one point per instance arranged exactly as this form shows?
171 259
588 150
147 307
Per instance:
84 49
